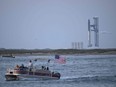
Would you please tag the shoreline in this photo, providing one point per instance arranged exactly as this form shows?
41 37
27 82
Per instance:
37 52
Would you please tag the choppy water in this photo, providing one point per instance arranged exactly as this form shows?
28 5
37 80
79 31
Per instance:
79 71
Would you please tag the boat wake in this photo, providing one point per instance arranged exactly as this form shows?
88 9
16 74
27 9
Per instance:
80 79
90 78
76 79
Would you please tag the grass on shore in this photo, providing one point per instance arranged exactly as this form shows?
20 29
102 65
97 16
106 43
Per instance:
57 51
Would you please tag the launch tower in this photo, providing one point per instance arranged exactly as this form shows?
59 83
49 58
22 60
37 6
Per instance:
95 29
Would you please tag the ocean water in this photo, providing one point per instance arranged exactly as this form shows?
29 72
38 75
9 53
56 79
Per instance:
79 71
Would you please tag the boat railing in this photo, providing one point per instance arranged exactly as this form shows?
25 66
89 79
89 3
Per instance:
34 69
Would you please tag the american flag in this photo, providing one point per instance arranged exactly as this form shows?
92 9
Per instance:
59 59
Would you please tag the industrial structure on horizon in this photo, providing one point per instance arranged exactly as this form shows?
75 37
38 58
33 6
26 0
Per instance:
95 28
77 45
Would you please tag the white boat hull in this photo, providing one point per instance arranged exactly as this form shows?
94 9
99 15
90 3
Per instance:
35 77
29 77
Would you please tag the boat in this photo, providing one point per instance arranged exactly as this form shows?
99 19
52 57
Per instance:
11 56
25 73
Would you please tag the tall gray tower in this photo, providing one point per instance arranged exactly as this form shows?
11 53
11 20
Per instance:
95 29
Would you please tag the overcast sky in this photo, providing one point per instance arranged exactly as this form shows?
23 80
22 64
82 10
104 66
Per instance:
39 24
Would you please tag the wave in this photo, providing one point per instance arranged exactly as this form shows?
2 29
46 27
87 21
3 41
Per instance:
90 78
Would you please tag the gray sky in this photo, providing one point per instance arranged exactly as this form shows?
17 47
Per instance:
55 23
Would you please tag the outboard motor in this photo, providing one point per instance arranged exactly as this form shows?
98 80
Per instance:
56 75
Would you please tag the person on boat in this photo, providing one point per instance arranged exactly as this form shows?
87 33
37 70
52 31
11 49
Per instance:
47 68
43 68
22 66
30 65
17 66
